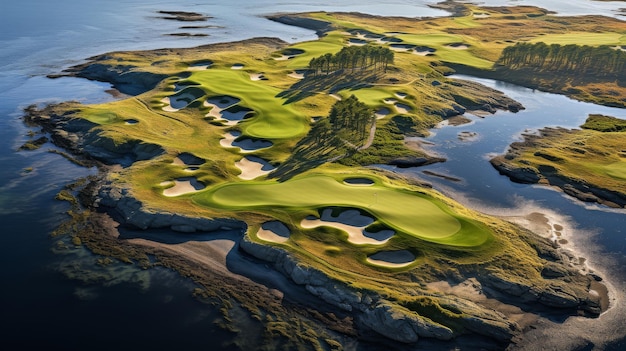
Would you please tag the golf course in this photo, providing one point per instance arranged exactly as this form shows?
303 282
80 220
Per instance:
292 146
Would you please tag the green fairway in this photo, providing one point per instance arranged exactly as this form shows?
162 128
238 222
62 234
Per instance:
409 212
272 119
582 38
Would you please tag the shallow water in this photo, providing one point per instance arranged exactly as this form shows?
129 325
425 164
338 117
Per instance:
42 37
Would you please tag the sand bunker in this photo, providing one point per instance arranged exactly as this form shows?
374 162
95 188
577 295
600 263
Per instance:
390 101
223 108
237 66
182 186
181 99
257 76
458 46
351 222
358 181
253 167
481 15
337 97
131 121
251 145
298 74
402 47
274 231
400 95
192 162
357 41
200 65
394 259
382 112
402 108
245 145
288 54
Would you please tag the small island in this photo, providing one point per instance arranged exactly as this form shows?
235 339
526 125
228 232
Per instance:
277 141
587 163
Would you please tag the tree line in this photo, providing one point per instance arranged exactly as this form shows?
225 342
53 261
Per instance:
601 61
353 58
344 132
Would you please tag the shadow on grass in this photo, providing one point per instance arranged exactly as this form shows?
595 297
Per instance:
313 84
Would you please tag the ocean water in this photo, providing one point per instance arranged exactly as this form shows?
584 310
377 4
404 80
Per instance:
127 306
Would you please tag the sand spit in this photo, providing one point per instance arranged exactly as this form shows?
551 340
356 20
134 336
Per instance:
392 259
274 231
182 186
351 222
253 167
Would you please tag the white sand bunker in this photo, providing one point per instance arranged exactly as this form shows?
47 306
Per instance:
298 74
382 113
223 108
253 167
400 95
336 97
356 41
192 162
481 15
390 101
351 222
402 47
229 138
393 259
458 46
181 99
424 51
402 108
274 231
245 145
237 66
182 186
131 121
288 54
200 65
257 76
358 181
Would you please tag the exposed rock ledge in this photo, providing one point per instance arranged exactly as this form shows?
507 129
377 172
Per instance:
374 312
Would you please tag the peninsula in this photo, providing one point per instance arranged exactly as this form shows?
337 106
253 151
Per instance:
278 142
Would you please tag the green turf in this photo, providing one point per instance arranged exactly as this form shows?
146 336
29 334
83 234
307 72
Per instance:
409 212
273 119
582 38
616 170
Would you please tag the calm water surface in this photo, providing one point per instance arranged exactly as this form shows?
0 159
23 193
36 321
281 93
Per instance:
154 308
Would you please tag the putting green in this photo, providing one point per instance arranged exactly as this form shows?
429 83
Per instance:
272 119
409 212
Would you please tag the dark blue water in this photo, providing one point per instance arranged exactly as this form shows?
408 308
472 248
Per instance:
44 306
